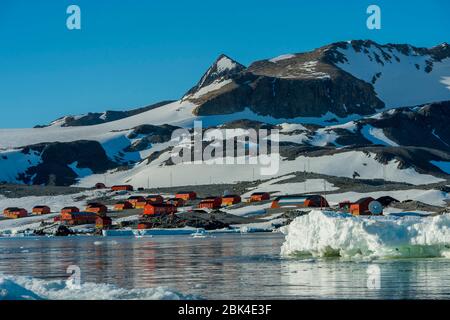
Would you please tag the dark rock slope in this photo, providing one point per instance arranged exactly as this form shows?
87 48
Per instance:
57 158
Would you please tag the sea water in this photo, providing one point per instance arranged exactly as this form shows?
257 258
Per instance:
228 266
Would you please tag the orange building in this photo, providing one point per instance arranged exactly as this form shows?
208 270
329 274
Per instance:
135 199
125 187
41 210
210 203
259 196
361 207
15 213
156 209
123 205
69 210
186 195
97 208
303 201
78 218
230 200
141 204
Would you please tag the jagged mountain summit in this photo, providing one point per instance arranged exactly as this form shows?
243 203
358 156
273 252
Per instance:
342 79
354 106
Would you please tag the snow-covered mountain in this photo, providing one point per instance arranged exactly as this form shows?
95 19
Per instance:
93 118
341 79
347 109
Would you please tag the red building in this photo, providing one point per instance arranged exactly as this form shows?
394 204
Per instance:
186 195
135 199
41 210
141 204
78 218
157 209
123 205
230 200
259 196
97 208
15 213
361 207
210 203
69 210
125 187
302 201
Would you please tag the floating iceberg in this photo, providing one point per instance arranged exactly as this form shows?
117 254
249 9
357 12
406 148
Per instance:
330 234
27 288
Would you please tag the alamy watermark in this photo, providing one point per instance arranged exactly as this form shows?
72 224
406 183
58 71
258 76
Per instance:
73 21
227 146
374 20
74 280
373 277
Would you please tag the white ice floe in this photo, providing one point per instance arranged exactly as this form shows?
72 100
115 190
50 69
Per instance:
27 288
325 234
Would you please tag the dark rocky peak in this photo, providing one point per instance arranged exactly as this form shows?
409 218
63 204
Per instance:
223 67
440 52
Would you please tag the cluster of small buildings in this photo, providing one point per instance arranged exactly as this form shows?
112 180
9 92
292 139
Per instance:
16 213
95 213
155 205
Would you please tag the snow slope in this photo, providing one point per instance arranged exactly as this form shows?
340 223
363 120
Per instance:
403 82
377 136
341 164
277 188
413 85
14 162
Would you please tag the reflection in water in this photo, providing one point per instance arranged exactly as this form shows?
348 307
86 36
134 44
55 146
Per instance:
227 267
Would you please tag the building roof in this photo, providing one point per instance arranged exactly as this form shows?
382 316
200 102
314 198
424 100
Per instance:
83 213
362 200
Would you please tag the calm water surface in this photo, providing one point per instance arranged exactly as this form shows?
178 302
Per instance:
225 267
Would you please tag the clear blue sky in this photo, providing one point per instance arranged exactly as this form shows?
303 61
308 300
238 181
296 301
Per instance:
136 52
